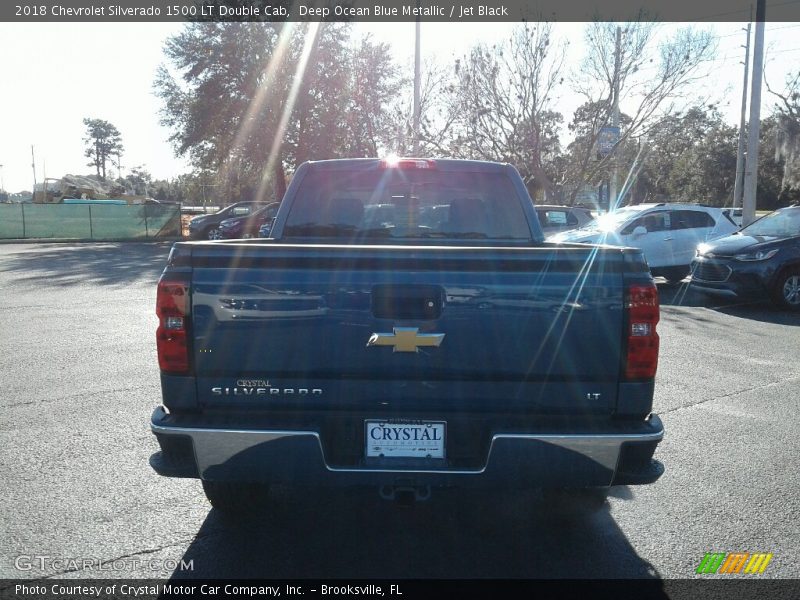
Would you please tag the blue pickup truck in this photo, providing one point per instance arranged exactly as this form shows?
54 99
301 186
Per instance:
406 326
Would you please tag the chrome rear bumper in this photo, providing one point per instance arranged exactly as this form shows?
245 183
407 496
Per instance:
524 459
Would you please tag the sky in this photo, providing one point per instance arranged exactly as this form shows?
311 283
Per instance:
53 75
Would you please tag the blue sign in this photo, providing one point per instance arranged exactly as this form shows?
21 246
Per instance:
607 138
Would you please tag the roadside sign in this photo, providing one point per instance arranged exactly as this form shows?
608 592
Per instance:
607 138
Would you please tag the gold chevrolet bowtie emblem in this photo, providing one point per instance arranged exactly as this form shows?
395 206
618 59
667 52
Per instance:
405 339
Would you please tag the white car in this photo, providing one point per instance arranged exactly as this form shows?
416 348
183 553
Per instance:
667 233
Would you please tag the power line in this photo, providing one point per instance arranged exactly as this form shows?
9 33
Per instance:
784 27
722 59
725 14
727 35
739 32
744 10
782 51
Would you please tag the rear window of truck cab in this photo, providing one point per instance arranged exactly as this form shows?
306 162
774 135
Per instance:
398 204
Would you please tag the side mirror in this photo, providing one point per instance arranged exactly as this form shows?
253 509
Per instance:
639 231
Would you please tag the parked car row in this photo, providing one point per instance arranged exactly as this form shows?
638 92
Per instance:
248 226
207 227
761 260
667 233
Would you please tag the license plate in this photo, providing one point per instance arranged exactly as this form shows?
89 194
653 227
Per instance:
405 439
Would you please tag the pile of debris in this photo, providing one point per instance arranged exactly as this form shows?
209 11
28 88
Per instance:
53 191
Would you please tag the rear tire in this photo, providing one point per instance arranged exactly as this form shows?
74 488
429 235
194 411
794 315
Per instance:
235 499
786 291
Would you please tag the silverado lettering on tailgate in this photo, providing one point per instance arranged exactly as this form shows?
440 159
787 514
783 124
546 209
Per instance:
260 387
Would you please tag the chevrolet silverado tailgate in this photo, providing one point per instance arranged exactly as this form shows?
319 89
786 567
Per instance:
426 328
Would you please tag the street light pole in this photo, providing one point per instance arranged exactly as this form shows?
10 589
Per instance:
33 166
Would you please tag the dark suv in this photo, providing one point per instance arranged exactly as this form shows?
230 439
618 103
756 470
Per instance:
206 227
247 227
763 259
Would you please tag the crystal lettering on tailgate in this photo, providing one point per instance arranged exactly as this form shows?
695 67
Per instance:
252 383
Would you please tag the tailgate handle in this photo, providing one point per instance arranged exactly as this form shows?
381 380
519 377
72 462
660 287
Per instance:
415 302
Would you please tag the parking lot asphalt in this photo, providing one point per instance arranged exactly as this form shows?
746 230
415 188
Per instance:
80 379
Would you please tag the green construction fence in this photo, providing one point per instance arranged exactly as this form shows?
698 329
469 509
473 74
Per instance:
89 221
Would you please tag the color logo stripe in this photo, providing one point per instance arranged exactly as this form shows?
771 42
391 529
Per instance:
734 563
758 563
710 563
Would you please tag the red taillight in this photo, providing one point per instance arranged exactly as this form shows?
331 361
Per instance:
642 307
172 301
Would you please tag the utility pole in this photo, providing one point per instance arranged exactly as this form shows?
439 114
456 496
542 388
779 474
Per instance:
417 71
612 194
33 166
737 188
751 165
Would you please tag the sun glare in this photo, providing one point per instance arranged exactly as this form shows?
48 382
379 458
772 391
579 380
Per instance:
274 154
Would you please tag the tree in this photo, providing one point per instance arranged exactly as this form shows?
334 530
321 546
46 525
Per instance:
137 181
691 157
255 99
438 114
775 189
668 141
583 166
502 99
103 144
194 189
649 84
706 172
787 130
375 83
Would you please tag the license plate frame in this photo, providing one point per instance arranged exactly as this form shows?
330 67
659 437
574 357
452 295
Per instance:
430 445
